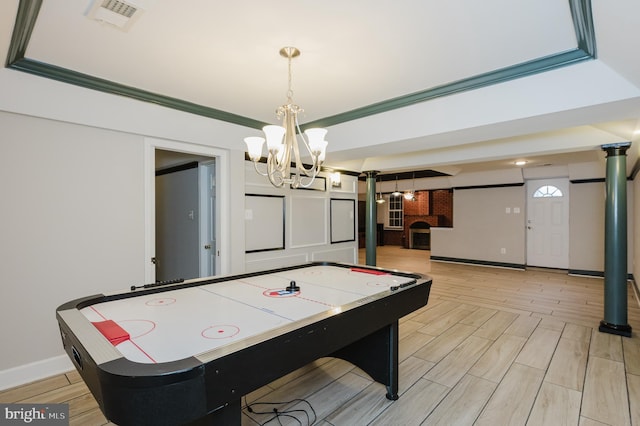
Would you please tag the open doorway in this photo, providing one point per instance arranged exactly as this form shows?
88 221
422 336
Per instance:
185 215
184 191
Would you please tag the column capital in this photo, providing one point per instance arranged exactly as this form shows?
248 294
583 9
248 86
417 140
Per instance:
616 149
371 173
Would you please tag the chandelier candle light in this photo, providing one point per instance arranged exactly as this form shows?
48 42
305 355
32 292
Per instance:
282 140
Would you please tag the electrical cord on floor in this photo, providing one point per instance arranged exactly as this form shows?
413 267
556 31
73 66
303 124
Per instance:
255 408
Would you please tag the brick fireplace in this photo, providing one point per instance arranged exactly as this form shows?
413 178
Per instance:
417 231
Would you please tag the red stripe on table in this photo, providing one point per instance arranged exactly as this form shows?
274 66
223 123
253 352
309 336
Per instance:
97 312
369 271
142 350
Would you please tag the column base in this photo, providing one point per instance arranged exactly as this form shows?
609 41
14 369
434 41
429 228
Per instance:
620 330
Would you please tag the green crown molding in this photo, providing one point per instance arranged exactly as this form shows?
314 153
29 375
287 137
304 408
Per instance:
84 80
28 13
583 26
534 66
25 21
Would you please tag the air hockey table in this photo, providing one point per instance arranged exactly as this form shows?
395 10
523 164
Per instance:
186 352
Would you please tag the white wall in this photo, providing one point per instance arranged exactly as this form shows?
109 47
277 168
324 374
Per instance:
307 226
72 225
586 226
481 226
73 195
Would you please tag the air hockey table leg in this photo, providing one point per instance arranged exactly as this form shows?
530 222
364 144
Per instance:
377 355
392 387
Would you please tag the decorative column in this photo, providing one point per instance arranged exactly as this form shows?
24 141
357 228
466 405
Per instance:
371 219
615 242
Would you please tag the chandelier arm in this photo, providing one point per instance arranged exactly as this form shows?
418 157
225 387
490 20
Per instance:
304 140
274 174
281 165
289 143
315 167
310 177
296 156
255 165
310 173
277 183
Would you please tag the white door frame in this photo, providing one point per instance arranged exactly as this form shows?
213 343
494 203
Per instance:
222 196
209 259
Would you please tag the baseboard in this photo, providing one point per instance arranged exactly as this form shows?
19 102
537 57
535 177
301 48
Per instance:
586 273
38 370
478 262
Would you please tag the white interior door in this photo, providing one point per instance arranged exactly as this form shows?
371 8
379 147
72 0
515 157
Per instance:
548 223
177 225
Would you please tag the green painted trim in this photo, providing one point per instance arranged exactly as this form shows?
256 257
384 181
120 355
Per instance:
524 69
25 21
28 13
84 80
615 236
583 26
586 50
370 220
22 29
497 185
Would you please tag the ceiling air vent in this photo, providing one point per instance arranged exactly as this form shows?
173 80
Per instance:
119 14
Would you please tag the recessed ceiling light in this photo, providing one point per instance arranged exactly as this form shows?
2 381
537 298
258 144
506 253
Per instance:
520 163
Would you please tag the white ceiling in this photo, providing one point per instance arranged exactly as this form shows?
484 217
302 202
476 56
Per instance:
224 55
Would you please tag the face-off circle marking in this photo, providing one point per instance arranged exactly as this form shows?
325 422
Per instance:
220 331
161 302
279 293
377 284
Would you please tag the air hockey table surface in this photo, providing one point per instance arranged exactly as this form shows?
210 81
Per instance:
187 352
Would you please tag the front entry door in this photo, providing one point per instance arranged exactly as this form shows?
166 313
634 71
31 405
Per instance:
548 223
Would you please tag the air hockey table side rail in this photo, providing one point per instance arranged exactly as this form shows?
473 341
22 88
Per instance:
208 387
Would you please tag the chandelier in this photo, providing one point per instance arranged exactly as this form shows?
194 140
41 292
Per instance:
283 143
410 195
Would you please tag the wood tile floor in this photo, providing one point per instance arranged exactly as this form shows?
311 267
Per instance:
492 347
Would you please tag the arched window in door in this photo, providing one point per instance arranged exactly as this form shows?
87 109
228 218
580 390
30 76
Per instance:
547 191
